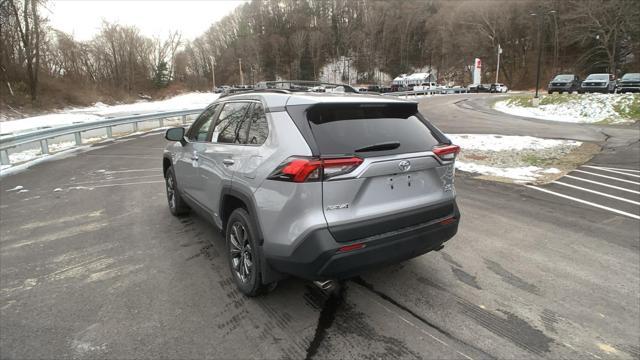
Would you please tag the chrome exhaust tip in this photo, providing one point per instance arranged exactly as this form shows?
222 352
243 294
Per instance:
324 285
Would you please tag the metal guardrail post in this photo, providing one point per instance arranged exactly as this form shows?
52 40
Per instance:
109 132
184 119
44 146
4 158
135 126
78 137
161 122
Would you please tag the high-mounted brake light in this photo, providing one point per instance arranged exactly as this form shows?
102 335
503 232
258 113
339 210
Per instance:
298 169
447 152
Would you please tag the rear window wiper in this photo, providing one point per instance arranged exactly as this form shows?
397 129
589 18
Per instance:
390 145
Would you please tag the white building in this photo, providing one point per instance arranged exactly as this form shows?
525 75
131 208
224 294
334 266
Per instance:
413 79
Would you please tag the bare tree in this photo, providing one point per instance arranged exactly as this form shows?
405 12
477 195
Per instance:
29 30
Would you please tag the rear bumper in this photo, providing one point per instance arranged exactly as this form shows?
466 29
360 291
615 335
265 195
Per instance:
318 256
628 88
595 89
560 88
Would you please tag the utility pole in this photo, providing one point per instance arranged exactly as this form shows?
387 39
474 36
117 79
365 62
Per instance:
498 66
240 68
540 16
213 72
539 52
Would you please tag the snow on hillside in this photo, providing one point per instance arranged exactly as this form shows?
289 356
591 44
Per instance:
576 108
100 111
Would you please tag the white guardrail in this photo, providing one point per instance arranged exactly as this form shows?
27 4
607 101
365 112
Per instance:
44 135
434 91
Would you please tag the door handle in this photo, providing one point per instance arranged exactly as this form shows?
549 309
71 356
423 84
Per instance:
228 162
194 156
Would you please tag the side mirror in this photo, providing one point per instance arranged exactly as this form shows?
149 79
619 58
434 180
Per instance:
175 134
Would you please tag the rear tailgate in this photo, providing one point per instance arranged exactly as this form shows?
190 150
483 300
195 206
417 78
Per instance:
396 186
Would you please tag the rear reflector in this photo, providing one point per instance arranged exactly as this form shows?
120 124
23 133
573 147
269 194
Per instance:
351 247
448 221
447 152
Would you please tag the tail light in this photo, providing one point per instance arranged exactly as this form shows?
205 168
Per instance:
447 152
299 169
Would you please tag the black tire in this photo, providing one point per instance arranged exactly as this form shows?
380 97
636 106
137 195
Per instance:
244 256
177 206
549 92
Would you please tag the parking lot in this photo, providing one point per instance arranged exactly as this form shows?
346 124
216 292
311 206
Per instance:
614 190
94 266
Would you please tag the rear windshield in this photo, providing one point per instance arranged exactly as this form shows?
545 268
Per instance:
348 128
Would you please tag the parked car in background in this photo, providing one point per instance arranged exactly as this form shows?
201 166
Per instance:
629 82
221 89
373 88
564 83
498 88
318 187
602 83
480 88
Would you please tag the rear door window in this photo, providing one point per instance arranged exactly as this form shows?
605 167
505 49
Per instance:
346 128
259 129
232 124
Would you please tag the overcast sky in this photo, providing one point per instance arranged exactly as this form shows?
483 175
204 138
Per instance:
153 17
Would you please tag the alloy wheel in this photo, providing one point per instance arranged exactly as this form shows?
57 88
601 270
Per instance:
241 252
171 192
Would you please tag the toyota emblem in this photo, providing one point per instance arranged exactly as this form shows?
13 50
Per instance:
404 165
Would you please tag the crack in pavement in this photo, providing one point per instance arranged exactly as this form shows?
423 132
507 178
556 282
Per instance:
335 301
360 281
327 315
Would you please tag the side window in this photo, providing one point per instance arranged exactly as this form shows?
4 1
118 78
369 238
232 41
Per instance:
259 129
200 129
230 127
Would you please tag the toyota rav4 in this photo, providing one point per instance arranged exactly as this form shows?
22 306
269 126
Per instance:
321 186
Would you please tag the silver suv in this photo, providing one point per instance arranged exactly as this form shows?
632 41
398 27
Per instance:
321 186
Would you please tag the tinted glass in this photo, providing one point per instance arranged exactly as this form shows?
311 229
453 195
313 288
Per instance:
563 78
598 77
343 129
259 129
632 77
230 124
200 129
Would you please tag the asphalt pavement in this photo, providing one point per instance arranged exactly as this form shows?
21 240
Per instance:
92 265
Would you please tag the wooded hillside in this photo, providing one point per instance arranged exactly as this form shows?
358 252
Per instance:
294 39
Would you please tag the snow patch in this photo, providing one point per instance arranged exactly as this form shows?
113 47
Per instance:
19 187
580 108
505 143
509 156
527 173
100 111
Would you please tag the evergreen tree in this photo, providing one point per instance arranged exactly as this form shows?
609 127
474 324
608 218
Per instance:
161 78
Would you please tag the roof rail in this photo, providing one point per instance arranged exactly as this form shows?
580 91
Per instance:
304 86
250 91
